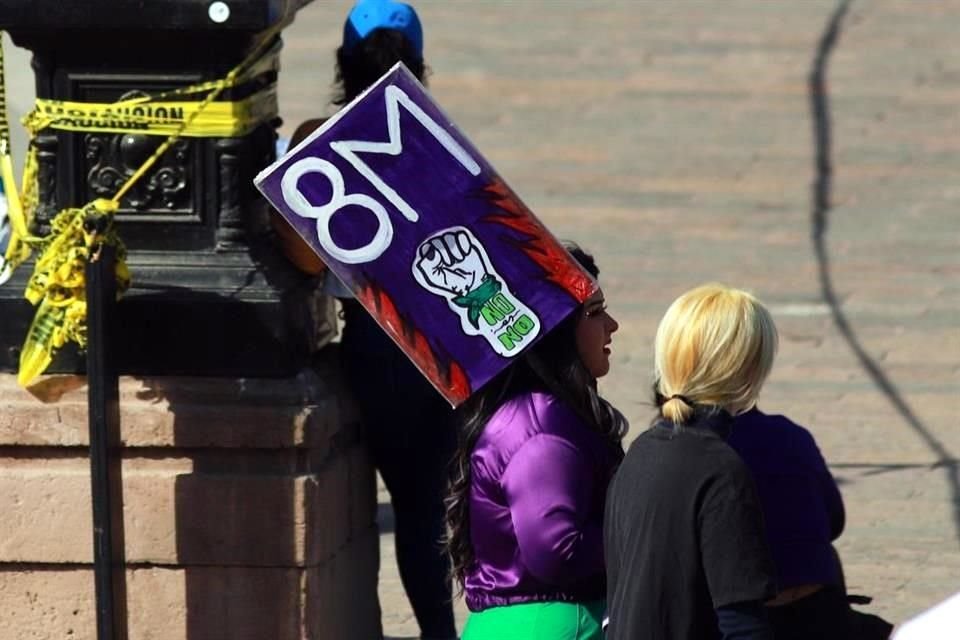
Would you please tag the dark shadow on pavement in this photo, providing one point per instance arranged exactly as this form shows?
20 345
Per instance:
874 469
821 193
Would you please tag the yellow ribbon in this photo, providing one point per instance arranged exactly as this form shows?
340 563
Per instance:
164 118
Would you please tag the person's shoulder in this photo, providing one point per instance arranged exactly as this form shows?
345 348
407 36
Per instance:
645 450
651 438
718 473
305 129
553 415
531 415
727 460
514 422
663 445
534 413
713 457
756 423
719 455
525 418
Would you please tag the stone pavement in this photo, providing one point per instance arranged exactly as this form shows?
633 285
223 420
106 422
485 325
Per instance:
678 142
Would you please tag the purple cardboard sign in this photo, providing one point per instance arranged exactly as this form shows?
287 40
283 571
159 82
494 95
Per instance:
409 215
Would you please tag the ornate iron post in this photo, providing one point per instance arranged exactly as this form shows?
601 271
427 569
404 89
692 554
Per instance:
211 294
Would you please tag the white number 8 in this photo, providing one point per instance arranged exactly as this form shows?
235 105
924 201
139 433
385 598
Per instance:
338 199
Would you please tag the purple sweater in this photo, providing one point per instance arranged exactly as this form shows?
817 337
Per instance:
802 507
538 482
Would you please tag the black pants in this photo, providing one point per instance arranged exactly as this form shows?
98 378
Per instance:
826 615
410 434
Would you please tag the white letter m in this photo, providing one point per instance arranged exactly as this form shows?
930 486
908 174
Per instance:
394 96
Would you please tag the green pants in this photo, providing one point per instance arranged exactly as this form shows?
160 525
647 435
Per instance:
537 621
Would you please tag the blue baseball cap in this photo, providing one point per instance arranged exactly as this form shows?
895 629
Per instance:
369 15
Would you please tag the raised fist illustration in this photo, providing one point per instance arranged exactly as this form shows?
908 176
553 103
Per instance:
451 262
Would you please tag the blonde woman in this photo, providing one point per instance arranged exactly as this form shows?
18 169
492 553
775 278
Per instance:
684 543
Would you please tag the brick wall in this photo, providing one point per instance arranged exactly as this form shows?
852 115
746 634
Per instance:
249 511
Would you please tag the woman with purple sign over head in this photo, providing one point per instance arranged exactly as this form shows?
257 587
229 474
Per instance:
410 431
538 446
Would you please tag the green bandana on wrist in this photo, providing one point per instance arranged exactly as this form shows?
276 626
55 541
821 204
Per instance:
474 300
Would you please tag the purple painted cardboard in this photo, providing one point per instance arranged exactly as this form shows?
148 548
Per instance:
412 218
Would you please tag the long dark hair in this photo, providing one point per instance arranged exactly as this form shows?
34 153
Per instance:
552 366
363 64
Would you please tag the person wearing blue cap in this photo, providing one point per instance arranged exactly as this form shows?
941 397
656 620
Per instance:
409 427
369 15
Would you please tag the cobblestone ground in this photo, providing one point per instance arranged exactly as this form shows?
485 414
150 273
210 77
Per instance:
679 141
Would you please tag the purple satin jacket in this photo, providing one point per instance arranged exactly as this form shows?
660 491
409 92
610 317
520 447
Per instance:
539 477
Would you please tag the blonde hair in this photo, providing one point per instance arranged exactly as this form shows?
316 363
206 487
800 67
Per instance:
715 346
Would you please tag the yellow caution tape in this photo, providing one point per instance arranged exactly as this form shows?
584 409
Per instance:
59 280
57 286
158 117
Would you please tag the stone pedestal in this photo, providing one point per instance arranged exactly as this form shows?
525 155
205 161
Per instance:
249 510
